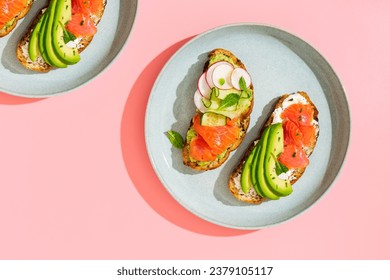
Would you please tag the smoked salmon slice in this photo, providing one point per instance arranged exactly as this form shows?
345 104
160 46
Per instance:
219 138
300 114
293 157
298 132
292 134
87 6
308 135
200 150
10 9
82 24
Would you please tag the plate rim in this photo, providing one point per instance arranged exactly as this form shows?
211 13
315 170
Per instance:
160 176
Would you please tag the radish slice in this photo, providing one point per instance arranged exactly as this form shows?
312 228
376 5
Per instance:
237 74
209 72
203 86
198 101
221 76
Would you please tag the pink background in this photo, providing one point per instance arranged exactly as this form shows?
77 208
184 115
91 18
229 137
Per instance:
76 182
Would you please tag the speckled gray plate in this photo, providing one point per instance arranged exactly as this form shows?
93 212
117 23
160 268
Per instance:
113 31
279 63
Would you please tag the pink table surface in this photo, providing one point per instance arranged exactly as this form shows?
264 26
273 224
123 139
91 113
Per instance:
76 181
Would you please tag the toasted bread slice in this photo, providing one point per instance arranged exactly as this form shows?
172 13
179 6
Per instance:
8 27
39 64
234 181
243 121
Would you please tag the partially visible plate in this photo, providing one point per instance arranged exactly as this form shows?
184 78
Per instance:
113 31
279 63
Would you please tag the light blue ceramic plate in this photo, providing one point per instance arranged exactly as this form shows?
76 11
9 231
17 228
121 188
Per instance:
113 31
279 63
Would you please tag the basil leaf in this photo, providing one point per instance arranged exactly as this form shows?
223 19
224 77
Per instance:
230 100
246 92
242 84
279 167
68 36
175 138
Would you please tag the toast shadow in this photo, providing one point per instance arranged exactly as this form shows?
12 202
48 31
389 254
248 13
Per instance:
184 109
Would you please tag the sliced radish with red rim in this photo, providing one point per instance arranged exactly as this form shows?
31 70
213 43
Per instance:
210 70
198 101
236 76
203 86
221 76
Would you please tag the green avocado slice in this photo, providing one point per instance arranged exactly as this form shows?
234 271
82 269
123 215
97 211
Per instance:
246 181
48 40
255 166
261 185
41 39
62 15
277 185
33 47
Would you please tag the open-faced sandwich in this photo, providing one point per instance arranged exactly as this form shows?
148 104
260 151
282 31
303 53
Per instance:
10 12
224 101
276 160
59 33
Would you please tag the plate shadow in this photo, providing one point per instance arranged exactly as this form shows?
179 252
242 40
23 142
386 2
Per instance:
8 99
137 161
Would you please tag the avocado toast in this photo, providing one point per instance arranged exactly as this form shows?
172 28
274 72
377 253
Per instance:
279 157
59 33
224 101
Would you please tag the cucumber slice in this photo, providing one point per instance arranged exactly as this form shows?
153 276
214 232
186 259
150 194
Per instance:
214 95
213 101
212 119
225 92
206 102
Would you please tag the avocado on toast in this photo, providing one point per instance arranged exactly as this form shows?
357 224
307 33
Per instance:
224 101
279 157
48 44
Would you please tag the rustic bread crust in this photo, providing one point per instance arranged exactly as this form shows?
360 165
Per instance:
252 196
40 65
243 123
6 30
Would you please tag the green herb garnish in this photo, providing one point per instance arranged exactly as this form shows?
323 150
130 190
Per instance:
230 100
279 167
68 36
246 92
175 138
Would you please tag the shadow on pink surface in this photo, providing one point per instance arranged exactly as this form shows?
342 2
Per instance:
7 99
137 161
